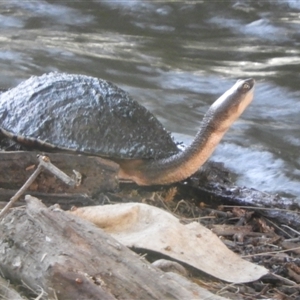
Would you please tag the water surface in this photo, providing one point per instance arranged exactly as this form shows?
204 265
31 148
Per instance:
176 58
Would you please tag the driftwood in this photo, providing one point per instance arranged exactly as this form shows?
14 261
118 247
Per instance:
97 174
70 258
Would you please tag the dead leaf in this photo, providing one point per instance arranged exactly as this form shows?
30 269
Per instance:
144 226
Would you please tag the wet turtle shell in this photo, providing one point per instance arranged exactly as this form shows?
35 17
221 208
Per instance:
85 114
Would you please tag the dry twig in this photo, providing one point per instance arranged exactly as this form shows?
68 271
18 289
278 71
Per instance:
44 163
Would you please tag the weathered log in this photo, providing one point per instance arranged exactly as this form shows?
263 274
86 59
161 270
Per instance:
70 258
97 174
211 184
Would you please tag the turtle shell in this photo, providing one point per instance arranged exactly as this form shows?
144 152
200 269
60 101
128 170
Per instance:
84 114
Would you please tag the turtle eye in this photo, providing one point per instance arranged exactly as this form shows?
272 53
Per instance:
246 86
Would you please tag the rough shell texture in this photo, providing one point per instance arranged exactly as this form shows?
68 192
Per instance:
85 114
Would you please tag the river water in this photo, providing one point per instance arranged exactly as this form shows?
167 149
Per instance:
176 58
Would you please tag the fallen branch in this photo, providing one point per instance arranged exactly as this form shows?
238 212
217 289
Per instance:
70 258
44 163
97 174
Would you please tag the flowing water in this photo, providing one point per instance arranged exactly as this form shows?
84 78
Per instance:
176 58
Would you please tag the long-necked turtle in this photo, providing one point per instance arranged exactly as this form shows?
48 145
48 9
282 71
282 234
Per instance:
93 116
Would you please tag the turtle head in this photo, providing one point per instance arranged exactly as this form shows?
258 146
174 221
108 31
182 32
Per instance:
233 102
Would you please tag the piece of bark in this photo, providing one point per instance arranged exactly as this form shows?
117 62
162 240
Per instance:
170 266
293 247
223 230
70 258
97 174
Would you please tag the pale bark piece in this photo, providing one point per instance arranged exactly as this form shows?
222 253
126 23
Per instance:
70 258
170 266
144 226
97 174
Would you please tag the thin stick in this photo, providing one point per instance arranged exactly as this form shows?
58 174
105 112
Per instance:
285 280
262 208
44 163
22 190
270 252
291 229
279 228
